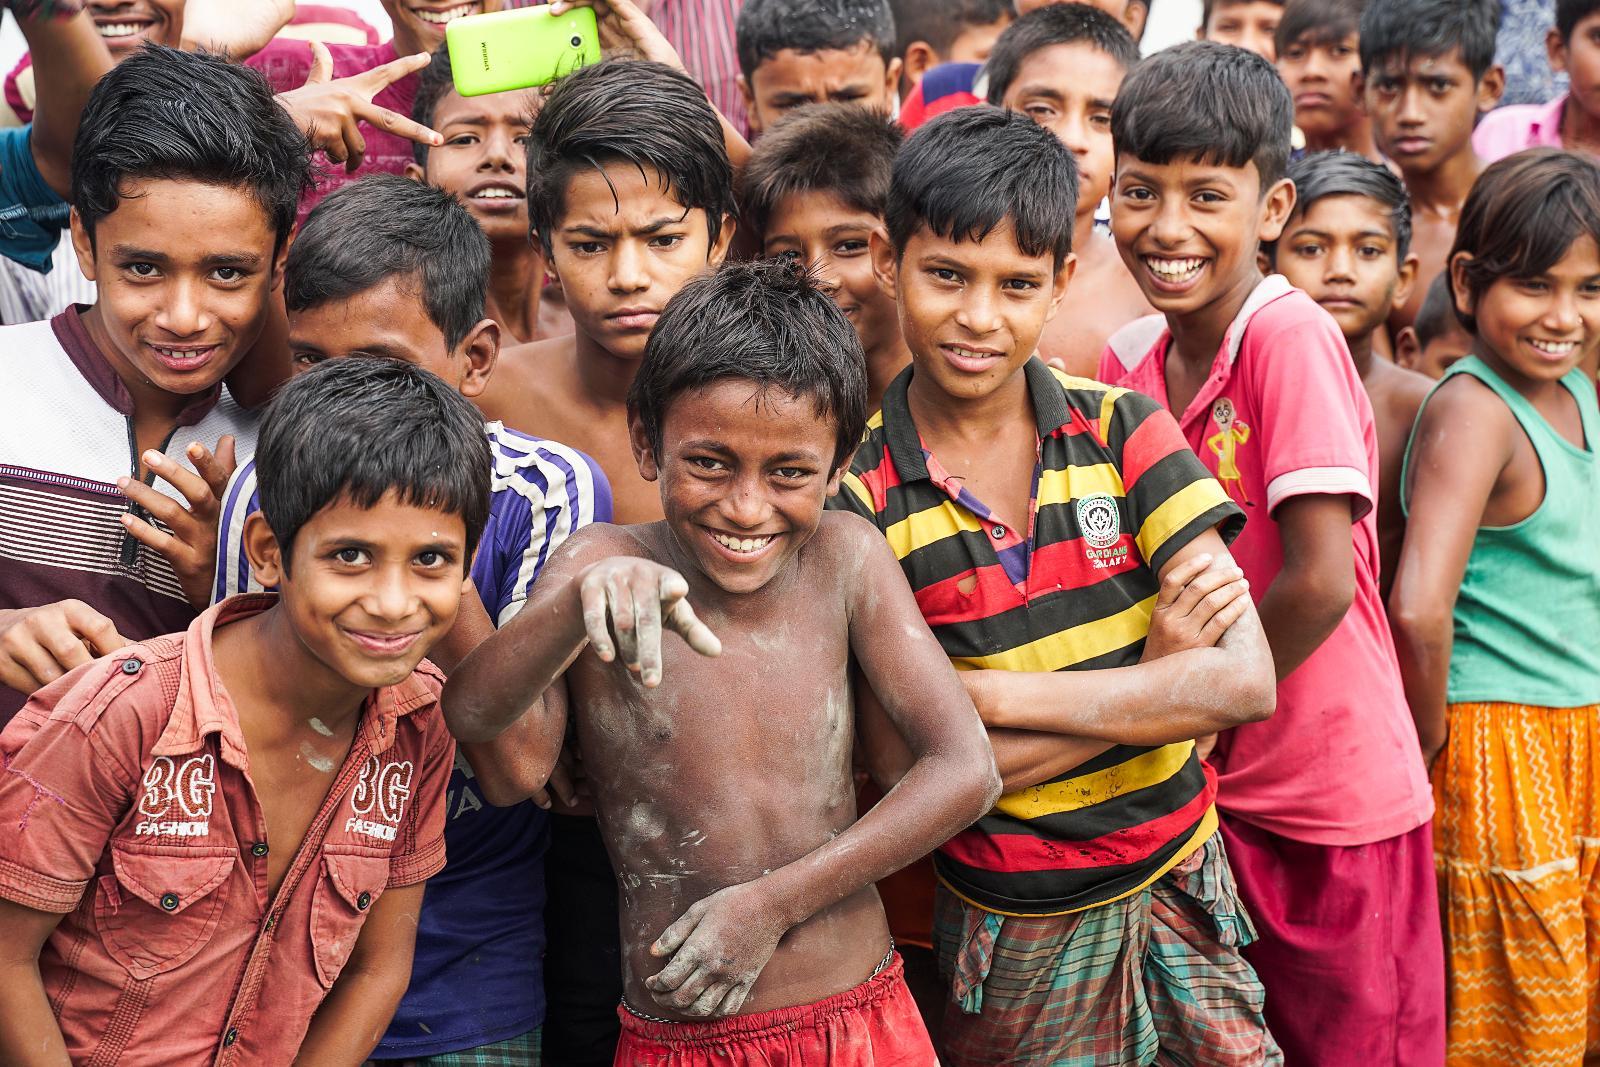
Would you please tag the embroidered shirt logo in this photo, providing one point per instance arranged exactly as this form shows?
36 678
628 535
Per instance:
177 797
379 799
1099 520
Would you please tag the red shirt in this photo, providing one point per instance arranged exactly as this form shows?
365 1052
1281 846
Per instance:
1284 414
127 807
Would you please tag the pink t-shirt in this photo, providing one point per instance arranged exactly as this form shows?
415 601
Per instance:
1284 414
1511 129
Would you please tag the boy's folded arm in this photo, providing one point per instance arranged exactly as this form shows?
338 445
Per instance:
29 1034
1192 692
352 1018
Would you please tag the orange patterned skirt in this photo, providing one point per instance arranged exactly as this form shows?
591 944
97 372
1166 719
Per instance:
1516 843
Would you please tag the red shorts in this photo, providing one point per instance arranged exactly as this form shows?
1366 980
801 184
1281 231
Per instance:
876 1024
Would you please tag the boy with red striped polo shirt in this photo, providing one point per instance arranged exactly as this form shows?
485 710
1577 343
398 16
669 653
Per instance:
1059 535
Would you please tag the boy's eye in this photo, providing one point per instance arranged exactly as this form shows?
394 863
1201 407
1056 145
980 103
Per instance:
142 270
588 248
521 138
668 240
1019 285
792 474
308 359
432 558
944 274
1101 120
852 247
1308 249
1370 252
1039 112
1532 285
706 463
463 139
1439 86
1137 192
1208 196
1294 51
1591 288
350 557
1341 51
228 274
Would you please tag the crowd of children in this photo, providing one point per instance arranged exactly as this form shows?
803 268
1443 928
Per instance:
992 551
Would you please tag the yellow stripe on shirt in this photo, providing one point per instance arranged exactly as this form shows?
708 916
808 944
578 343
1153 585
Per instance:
928 526
1074 794
1063 486
1176 512
1064 648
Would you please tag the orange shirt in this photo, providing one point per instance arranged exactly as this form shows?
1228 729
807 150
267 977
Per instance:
127 806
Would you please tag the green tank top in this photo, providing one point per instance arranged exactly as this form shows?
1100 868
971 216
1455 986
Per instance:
1527 619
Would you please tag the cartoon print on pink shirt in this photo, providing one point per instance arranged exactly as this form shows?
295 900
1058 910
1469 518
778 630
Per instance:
1225 443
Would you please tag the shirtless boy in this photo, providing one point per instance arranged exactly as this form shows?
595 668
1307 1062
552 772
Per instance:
723 779
1061 66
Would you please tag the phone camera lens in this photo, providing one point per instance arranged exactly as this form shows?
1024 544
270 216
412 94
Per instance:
577 42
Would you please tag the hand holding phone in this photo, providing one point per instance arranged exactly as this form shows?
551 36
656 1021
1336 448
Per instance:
519 49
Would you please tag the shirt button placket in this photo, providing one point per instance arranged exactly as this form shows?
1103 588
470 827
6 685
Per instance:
229 1038
998 531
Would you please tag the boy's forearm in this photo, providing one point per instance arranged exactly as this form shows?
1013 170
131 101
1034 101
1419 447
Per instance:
1423 646
351 1021
68 59
29 1033
1029 757
1299 612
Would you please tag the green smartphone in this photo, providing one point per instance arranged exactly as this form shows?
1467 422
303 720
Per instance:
518 49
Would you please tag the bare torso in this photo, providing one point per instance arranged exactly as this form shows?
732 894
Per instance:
731 768
1397 395
1102 298
1432 235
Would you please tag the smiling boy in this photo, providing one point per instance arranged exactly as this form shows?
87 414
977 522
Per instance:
1430 74
796 52
184 187
751 930
252 807
1062 66
1338 878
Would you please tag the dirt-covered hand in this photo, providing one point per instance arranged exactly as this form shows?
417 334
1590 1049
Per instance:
716 950
1199 600
626 601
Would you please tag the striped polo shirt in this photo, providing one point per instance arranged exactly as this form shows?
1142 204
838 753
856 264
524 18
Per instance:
1116 492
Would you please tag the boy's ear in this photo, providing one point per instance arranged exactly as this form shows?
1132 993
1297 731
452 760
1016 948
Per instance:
920 57
414 172
1556 49
280 261
82 246
836 479
644 453
1408 280
885 266
1460 291
1060 280
480 348
1134 17
1491 87
722 240
749 97
891 78
1407 348
262 550
1276 207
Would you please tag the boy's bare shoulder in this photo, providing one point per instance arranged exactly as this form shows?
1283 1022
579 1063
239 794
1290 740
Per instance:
843 541
1402 389
1467 411
603 540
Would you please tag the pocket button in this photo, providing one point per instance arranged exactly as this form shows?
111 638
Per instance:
363 900
169 902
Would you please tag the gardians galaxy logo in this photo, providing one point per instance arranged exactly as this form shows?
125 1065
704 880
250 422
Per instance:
379 799
177 797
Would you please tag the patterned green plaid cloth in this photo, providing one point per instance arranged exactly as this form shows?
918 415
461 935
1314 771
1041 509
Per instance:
514 1052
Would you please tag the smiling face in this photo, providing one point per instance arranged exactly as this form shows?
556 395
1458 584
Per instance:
1325 80
422 22
369 590
1189 230
1068 89
483 160
1537 329
819 229
744 472
124 25
1342 252
1423 108
790 79
185 271
971 311
1250 24
624 246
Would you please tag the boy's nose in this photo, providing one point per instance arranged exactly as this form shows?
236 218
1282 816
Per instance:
627 268
182 313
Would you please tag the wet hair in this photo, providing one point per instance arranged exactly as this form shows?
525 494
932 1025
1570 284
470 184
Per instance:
1523 214
1318 22
1052 25
1209 102
767 27
1437 314
1208 7
384 226
768 322
643 114
172 115
968 171
1401 29
1571 12
1323 174
356 429
939 22
821 148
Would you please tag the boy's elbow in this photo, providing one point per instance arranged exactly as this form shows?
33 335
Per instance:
983 782
1258 698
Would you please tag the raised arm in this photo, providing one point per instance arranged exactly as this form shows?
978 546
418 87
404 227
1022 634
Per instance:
237 28
1462 444
68 59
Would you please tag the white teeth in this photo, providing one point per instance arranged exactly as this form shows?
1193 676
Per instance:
173 353
1174 269
742 544
118 29
494 194
439 18
1555 348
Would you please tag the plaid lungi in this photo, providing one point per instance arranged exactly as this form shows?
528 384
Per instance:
1157 972
520 1051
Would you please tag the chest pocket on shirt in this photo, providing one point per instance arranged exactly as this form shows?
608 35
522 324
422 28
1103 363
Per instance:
161 906
351 881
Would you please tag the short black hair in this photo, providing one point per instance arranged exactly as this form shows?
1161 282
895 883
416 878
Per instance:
631 111
1205 101
1522 215
356 429
938 23
433 82
1052 25
767 27
1208 6
1401 29
167 114
769 322
968 171
1571 12
1436 316
384 226
1318 22
834 148
1323 174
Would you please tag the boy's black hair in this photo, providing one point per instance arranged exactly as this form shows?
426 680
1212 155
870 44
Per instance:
384 226
1571 12
1052 25
1208 6
644 114
164 113
1401 29
767 27
1205 101
433 81
1318 22
967 171
1522 215
939 22
1323 174
1437 314
767 322
356 429
833 148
